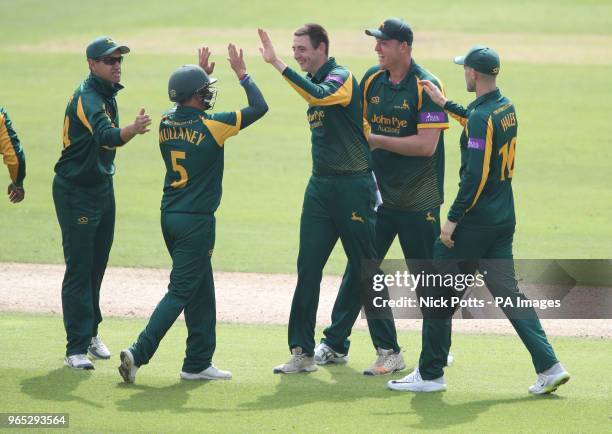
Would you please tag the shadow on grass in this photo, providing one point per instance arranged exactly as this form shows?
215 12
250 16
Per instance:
58 385
171 398
293 390
436 414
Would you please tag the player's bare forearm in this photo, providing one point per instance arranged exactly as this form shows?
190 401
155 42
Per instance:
423 144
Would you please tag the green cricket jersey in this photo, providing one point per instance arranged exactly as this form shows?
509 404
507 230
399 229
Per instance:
335 117
488 146
91 133
191 143
399 110
11 149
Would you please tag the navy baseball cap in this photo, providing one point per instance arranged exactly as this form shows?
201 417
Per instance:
103 46
483 59
393 28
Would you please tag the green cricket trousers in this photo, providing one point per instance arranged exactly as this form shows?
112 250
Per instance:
190 239
480 248
334 207
86 216
417 231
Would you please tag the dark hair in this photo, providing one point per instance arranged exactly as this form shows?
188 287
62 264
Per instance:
316 33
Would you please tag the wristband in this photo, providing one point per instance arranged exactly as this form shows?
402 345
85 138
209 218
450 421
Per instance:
244 78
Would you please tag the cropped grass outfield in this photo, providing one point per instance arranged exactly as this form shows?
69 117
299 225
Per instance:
487 386
557 64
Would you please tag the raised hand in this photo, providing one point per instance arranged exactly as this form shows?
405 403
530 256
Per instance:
434 93
266 49
236 60
203 55
142 122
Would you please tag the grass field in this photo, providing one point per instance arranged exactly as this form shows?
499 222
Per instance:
556 68
487 386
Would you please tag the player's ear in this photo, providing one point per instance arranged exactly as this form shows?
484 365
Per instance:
322 48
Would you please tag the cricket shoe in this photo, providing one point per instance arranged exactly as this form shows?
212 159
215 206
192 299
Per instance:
324 355
78 361
387 362
128 367
550 380
413 382
210 373
97 349
299 362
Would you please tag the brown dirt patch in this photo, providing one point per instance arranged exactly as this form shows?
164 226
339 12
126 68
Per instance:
241 298
439 45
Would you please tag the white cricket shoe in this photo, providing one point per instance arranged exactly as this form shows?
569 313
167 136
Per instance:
550 380
450 359
97 349
387 362
128 367
299 362
210 373
324 354
413 382
78 361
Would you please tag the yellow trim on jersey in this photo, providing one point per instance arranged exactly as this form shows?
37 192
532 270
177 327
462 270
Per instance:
366 86
66 131
222 131
341 96
460 119
485 162
7 150
441 125
81 115
419 94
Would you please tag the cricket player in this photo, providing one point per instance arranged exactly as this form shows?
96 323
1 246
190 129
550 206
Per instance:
478 232
191 142
13 156
341 195
406 137
84 197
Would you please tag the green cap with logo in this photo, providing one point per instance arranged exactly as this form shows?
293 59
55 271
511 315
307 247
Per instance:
393 28
483 59
103 46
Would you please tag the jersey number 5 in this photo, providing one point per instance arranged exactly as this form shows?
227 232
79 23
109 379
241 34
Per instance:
184 177
507 152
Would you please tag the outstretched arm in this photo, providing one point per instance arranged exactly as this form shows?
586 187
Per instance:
456 111
335 89
257 104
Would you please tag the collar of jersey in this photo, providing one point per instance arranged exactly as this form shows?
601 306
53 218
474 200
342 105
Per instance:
102 86
404 82
186 112
494 94
323 71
